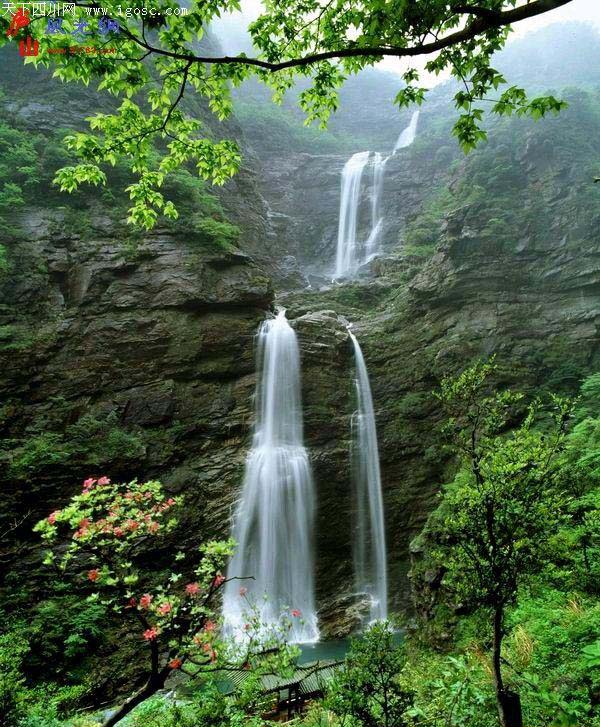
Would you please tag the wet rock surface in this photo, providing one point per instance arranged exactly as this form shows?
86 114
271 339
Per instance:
159 342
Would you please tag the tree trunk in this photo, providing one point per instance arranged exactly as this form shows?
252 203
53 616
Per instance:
509 702
153 685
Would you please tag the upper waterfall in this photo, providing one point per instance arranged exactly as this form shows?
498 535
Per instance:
352 172
273 523
351 251
370 557
407 136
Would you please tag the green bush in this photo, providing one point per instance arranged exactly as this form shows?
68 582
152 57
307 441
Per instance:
367 692
91 441
30 705
551 631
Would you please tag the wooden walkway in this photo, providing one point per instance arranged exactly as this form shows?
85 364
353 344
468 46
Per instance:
289 695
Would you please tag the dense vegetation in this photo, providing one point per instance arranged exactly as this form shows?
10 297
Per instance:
325 43
506 594
505 575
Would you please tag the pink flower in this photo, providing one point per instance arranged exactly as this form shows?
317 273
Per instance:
192 589
175 663
88 484
132 603
93 574
243 591
150 634
118 532
164 609
171 501
52 517
218 580
210 626
296 613
131 525
146 600
153 527
83 524
103 481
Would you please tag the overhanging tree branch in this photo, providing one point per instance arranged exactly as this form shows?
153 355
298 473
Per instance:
485 20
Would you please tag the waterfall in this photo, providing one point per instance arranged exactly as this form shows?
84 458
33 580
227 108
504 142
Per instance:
407 136
376 219
346 259
351 252
273 523
370 560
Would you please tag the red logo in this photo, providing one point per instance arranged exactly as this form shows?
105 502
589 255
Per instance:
29 48
19 20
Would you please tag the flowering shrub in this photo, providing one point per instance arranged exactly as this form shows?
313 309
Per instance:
105 526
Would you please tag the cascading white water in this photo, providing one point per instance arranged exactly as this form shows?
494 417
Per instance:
273 523
346 255
351 251
372 244
407 136
370 559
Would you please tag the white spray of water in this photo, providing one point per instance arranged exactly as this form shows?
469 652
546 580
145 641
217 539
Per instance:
407 136
372 244
353 252
273 524
370 559
346 255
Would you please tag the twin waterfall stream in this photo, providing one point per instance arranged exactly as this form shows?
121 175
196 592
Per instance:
352 252
273 525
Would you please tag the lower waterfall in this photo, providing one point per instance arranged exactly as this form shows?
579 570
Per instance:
370 559
273 523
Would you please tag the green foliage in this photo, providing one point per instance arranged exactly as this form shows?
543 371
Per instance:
277 128
62 630
517 532
222 234
209 707
201 218
90 441
506 502
294 39
25 705
588 403
450 691
13 650
422 233
367 691
550 648
4 264
488 198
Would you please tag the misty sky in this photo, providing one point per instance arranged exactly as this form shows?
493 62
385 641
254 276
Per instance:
583 10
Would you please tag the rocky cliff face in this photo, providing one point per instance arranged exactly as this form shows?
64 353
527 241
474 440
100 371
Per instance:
138 360
527 293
